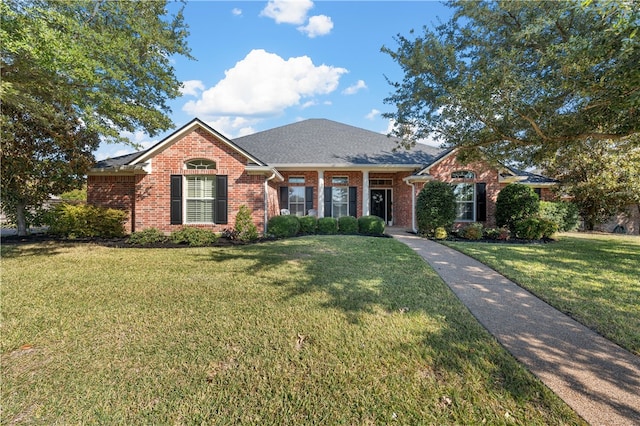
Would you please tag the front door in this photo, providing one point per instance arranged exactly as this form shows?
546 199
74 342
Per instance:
380 203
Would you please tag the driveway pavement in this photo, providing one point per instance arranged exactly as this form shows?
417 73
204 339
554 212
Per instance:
595 377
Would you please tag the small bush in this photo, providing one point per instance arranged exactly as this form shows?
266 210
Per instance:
327 226
535 228
308 225
472 231
564 214
435 207
347 225
85 220
195 237
440 233
548 227
285 226
370 225
246 230
147 236
516 202
502 234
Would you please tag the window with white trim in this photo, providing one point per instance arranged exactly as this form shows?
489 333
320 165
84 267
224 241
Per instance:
339 197
200 164
465 201
296 200
200 199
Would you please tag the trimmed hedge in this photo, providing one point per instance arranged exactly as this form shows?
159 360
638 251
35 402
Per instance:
148 236
85 220
308 225
535 228
435 207
347 225
285 226
516 202
370 225
327 226
195 237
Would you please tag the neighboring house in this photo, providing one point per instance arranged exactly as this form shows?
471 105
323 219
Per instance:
196 176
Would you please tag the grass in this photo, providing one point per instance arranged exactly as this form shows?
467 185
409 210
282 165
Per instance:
595 278
314 330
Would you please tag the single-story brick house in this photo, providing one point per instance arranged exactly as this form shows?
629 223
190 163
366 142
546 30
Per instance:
196 176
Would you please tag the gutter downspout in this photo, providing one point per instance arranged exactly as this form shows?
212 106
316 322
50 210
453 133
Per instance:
266 201
413 206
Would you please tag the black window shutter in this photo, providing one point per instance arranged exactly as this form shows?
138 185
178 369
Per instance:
353 201
176 200
481 202
308 198
327 201
284 197
221 208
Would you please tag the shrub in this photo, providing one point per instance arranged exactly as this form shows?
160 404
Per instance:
547 227
147 236
497 233
516 202
472 231
85 220
195 237
285 226
435 207
370 225
308 225
535 228
246 230
440 233
564 214
327 225
347 225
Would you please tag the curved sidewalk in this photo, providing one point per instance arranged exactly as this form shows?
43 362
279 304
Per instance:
594 376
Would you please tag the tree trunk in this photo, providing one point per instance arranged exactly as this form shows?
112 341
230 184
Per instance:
21 220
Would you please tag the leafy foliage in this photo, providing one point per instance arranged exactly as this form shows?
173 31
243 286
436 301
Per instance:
284 226
534 228
195 237
247 231
370 225
147 236
74 73
521 79
563 213
472 231
516 202
440 233
435 207
347 225
308 225
327 225
83 220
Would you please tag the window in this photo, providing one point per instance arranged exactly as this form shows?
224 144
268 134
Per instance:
296 200
339 197
465 201
297 180
464 174
200 165
200 199
380 182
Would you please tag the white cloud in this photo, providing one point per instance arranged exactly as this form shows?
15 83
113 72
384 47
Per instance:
264 84
308 104
317 26
236 12
287 11
372 114
192 87
353 89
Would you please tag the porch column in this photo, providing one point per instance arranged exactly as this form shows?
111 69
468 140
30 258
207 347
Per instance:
320 193
365 193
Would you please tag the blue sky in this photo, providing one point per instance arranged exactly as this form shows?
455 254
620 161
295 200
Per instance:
264 64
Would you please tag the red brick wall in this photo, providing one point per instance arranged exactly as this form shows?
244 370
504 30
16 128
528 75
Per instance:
484 172
151 207
116 192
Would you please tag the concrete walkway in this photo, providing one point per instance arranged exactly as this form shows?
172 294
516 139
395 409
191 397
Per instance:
595 377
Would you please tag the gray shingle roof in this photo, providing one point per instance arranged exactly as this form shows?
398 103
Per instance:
321 141
118 161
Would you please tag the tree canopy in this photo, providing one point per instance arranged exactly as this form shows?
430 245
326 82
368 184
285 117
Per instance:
74 73
518 80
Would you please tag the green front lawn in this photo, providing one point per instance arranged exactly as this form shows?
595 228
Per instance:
323 330
595 278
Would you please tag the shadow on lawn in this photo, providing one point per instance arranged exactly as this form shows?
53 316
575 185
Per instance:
460 348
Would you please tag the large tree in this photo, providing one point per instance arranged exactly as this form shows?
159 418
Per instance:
518 80
74 73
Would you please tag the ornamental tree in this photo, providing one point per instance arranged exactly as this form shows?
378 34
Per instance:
73 73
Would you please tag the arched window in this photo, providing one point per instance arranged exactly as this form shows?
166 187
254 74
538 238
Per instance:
200 164
463 174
